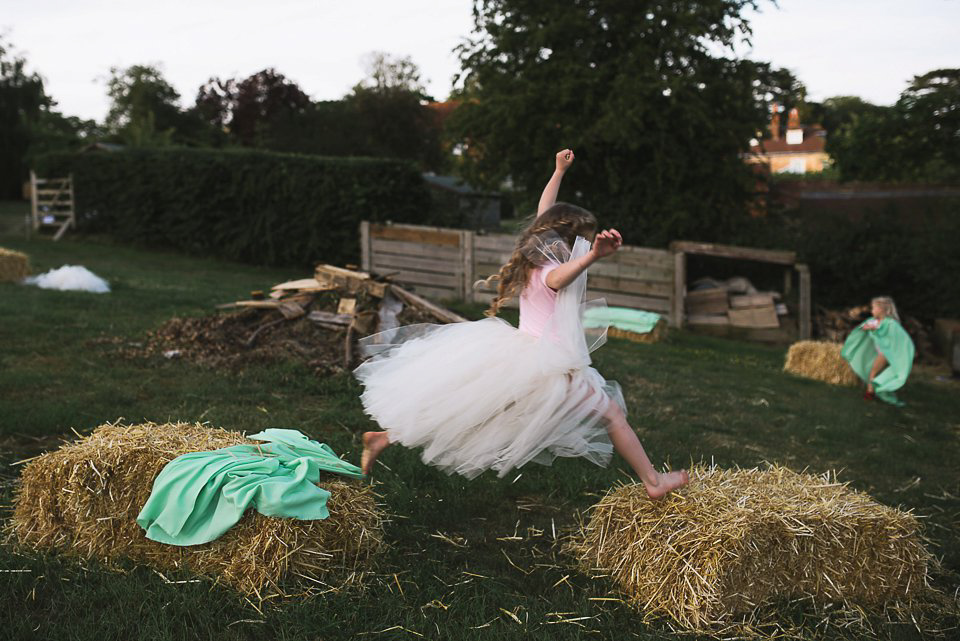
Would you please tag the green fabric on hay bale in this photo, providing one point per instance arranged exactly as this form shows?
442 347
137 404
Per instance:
82 500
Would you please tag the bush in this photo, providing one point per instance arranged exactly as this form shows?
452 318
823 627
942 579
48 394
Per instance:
251 206
916 262
915 257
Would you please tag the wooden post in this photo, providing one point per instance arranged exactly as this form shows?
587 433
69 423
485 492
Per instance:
468 260
787 282
679 287
804 312
34 213
73 202
365 246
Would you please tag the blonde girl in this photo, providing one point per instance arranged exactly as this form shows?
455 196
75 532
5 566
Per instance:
880 351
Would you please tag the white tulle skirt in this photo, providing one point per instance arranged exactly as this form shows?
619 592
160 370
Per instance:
484 395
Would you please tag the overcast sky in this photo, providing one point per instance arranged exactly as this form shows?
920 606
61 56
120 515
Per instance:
866 48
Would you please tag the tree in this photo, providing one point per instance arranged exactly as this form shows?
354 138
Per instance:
386 73
249 108
837 111
391 118
143 110
657 119
916 139
29 122
22 98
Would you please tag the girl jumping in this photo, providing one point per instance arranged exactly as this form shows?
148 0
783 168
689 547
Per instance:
485 395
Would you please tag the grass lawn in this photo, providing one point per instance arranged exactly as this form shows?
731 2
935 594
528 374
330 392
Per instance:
691 399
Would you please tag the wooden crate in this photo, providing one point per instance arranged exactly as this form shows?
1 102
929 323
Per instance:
706 301
764 317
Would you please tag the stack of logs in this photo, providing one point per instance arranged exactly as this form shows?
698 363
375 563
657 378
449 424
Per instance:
294 299
836 325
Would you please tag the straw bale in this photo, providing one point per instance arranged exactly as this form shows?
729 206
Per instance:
820 361
735 542
14 266
83 499
657 334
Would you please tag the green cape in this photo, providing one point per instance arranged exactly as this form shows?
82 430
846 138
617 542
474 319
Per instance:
199 496
889 339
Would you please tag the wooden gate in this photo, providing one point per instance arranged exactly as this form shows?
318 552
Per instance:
51 204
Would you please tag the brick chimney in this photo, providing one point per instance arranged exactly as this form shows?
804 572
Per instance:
775 121
794 129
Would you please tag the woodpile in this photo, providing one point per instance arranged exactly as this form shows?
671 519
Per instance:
317 320
835 325
735 302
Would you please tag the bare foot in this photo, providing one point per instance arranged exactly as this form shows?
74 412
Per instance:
667 483
373 444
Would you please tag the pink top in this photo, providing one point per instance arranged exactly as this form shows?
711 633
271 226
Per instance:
537 302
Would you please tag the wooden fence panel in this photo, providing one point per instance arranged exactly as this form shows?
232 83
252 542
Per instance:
445 263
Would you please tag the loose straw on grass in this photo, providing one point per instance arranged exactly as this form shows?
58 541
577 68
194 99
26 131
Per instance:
83 500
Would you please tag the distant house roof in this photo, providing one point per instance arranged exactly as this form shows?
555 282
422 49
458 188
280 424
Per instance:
454 184
442 110
814 141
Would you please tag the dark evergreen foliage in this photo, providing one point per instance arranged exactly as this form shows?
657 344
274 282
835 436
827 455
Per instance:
257 207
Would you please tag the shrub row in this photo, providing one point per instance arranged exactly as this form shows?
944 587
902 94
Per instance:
913 256
250 206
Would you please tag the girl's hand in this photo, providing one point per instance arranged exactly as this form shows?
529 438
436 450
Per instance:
564 160
606 242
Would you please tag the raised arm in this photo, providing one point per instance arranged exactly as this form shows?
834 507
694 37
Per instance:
549 195
604 244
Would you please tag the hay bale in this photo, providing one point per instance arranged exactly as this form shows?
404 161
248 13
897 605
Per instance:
14 266
733 541
657 334
820 361
83 500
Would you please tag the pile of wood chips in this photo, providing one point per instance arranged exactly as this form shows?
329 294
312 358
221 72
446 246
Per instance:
316 320
716 555
82 500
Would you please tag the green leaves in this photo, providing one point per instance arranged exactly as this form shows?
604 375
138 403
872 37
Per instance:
644 93
917 139
251 206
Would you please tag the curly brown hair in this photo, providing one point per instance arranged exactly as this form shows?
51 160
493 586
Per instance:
566 220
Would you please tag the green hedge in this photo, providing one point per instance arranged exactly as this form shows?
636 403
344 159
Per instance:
917 261
911 254
256 207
